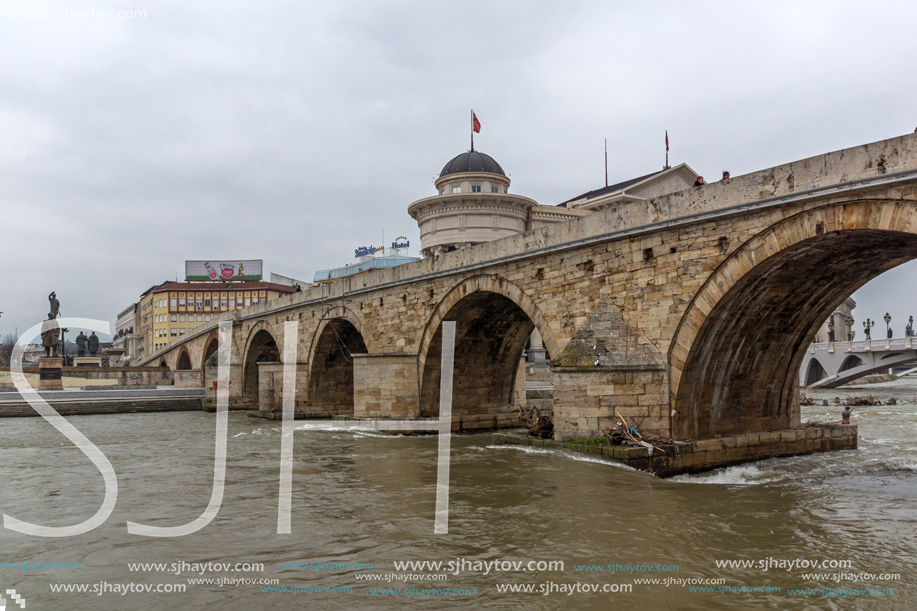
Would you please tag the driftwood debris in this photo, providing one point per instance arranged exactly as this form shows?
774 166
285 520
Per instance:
538 425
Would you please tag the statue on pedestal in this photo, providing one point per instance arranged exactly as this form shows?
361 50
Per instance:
93 344
50 337
81 344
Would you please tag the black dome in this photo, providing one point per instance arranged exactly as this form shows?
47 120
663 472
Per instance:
472 161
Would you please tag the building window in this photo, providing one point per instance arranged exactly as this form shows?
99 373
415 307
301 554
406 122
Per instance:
264 300
232 302
200 318
181 331
222 302
181 318
173 332
181 302
475 188
207 317
206 303
248 301
456 189
172 302
200 304
494 190
175 317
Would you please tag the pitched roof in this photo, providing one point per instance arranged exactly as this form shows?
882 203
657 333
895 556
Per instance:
610 188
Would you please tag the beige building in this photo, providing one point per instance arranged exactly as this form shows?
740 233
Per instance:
127 340
841 322
172 309
473 203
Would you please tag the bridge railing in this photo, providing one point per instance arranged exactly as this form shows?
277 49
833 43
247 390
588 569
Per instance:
867 345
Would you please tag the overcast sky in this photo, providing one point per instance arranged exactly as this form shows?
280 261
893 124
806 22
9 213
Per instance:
295 131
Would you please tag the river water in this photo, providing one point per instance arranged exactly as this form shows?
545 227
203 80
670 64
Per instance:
362 498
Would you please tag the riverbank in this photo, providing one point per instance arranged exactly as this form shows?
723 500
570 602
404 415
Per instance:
109 401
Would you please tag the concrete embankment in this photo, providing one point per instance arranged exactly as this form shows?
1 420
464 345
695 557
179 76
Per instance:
76 403
670 459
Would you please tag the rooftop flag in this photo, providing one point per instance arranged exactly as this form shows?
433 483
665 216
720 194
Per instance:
666 166
475 128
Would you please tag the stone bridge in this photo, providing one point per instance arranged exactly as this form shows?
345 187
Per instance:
689 314
833 364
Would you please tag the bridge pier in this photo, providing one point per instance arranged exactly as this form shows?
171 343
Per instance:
270 387
188 378
385 385
586 399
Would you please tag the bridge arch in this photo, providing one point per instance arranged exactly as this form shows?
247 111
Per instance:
184 360
736 352
850 362
814 372
494 319
211 345
331 379
260 347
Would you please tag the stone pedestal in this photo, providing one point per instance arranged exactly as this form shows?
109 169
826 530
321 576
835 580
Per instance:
87 361
536 352
49 373
385 385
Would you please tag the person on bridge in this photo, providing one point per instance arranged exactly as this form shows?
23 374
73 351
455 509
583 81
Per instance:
699 182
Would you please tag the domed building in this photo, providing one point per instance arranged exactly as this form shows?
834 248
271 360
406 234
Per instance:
473 205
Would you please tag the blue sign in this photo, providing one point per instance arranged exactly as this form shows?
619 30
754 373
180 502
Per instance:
397 245
364 251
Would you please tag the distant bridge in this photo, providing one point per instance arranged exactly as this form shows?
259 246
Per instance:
833 364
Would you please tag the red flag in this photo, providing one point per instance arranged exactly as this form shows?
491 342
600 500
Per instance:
666 141
475 124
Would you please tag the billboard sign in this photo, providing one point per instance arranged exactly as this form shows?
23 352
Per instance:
223 270
365 251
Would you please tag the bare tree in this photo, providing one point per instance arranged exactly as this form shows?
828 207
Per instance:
7 342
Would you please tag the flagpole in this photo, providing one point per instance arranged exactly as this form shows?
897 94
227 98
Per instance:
472 130
606 162
666 149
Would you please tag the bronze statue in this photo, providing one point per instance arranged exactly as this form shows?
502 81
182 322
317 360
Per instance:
81 344
55 305
93 344
50 338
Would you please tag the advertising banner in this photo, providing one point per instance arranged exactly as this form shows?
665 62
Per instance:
221 270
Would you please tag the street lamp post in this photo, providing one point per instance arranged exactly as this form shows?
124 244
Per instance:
867 325
849 322
888 329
